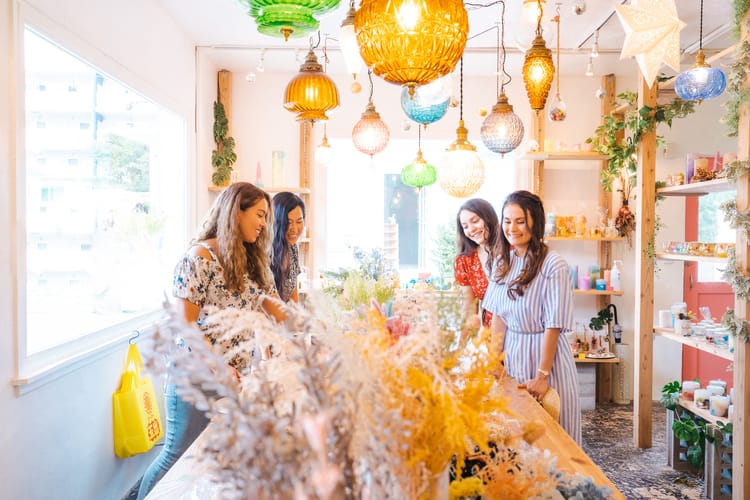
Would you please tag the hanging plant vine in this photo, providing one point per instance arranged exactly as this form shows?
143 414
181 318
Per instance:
735 219
736 169
736 74
635 122
734 276
622 164
738 328
224 156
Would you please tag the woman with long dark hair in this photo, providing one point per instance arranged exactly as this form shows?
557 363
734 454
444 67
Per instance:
531 297
289 224
477 232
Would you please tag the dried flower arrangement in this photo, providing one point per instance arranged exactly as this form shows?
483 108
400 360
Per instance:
354 404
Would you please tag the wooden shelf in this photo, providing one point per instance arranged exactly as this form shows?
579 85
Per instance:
564 155
690 258
581 238
696 342
609 361
696 188
598 292
690 406
267 189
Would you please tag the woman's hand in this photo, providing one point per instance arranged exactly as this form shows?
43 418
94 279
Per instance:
537 386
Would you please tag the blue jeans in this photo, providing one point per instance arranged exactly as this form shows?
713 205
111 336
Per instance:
184 424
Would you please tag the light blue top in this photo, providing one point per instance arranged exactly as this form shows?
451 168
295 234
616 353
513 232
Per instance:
546 303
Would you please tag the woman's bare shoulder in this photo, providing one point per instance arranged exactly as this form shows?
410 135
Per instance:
198 249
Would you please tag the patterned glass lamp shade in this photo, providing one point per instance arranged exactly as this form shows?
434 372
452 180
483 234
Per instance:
370 134
538 72
311 93
461 171
287 18
421 109
411 42
419 173
502 130
700 82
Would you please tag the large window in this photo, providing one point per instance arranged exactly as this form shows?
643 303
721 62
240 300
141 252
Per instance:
363 197
103 201
713 228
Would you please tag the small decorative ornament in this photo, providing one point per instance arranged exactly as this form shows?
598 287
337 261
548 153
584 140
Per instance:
558 111
652 35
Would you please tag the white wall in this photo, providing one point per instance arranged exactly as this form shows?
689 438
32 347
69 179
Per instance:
56 441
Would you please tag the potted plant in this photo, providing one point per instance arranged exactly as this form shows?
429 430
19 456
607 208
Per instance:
691 430
223 157
619 138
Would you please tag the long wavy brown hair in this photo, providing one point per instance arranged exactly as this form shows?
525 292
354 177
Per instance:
484 210
235 255
532 207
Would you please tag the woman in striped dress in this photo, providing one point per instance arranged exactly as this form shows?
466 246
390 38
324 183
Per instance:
531 297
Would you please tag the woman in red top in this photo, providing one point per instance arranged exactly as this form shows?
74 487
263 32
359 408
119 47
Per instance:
476 234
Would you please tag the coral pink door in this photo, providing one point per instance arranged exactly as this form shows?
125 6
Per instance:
703 285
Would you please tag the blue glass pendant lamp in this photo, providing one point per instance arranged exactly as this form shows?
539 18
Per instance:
429 102
701 81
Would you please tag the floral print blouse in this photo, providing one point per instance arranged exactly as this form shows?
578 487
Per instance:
201 282
468 271
290 283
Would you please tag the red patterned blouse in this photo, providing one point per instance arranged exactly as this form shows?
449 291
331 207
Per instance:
468 271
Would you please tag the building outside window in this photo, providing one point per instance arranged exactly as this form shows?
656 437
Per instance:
104 204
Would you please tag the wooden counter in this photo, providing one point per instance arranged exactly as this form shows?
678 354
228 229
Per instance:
570 457
187 478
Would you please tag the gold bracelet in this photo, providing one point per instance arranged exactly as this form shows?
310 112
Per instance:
543 372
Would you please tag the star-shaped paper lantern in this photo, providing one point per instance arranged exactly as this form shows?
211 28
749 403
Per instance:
652 35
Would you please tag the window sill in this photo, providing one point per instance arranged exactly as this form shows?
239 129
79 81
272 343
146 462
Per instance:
33 378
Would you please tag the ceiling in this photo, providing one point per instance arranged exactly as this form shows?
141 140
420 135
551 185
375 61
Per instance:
227 34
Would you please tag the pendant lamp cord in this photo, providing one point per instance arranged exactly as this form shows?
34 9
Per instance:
539 14
461 92
369 76
419 137
503 77
557 75
700 36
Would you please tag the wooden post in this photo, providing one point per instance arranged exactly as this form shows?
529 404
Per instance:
741 375
644 277
604 379
537 172
307 181
224 93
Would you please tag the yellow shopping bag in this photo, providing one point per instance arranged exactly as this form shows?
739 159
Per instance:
135 412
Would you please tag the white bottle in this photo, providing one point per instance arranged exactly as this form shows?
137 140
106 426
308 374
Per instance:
615 278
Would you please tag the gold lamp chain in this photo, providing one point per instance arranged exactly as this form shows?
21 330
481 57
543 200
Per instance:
539 17
557 76
461 92
369 76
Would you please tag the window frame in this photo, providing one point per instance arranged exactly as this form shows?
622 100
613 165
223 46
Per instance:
33 371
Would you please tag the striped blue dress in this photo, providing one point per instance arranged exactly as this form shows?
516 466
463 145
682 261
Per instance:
546 303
